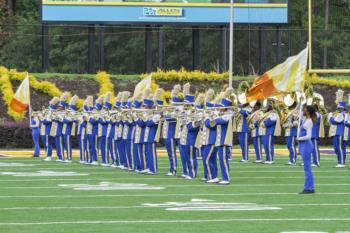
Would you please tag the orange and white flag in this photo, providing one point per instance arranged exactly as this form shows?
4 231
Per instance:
21 100
286 77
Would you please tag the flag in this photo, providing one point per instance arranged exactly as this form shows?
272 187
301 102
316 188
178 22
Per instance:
143 84
287 77
21 99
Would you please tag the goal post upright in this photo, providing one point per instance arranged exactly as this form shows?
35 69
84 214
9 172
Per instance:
311 70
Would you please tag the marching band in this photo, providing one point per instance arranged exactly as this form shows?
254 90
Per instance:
125 134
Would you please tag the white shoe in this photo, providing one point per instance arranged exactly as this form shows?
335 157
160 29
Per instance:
269 162
130 169
59 160
216 180
188 178
244 161
124 168
291 164
150 173
258 161
203 179
313 165
340 166
183 176
47 159
82 162
104 164
170 174
94 163
224 182
114 165
145 171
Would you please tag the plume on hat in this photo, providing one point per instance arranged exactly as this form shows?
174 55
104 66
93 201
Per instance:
119 96
54 101
64 96
89 101
147 93
228 93
99 99
339 96
107 97
187 89
138 97
73 100
209 95
200 99
176 90
125 96
158 94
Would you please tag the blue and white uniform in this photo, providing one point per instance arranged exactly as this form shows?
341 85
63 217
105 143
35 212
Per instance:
305 149
317 133
243 131
254 120
267 131
45 130
208 139
68 131
188 136
290 127
35 125
336 132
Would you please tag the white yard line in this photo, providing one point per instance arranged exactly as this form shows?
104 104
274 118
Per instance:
184 186
142 206
79 195
174 221
144 178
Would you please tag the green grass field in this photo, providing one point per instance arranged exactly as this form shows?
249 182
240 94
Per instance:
39 204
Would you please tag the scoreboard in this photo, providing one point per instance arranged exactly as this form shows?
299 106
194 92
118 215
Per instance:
165 11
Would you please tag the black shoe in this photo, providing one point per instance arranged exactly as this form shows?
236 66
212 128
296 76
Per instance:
307 191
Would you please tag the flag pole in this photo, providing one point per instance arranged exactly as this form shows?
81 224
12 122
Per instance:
231 44
30 105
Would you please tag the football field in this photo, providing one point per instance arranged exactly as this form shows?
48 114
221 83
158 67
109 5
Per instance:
37 196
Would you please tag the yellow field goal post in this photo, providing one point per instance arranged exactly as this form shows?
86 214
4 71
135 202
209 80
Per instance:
310 64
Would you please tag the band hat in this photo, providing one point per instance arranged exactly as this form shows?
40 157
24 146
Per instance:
189 99
148 103
226 102
117 100
341 104
175 95
252 103
136 104
108 106
63 99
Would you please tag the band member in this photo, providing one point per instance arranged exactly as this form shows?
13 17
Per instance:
91 133
269 127
241 121
128 136
117 131
306 147
46 129
224 132
35 125
150 137
168 132
253 122
290 124
102 128
138 134
69 127
81 132
189 131
317 129
124 162
208 139
336 129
